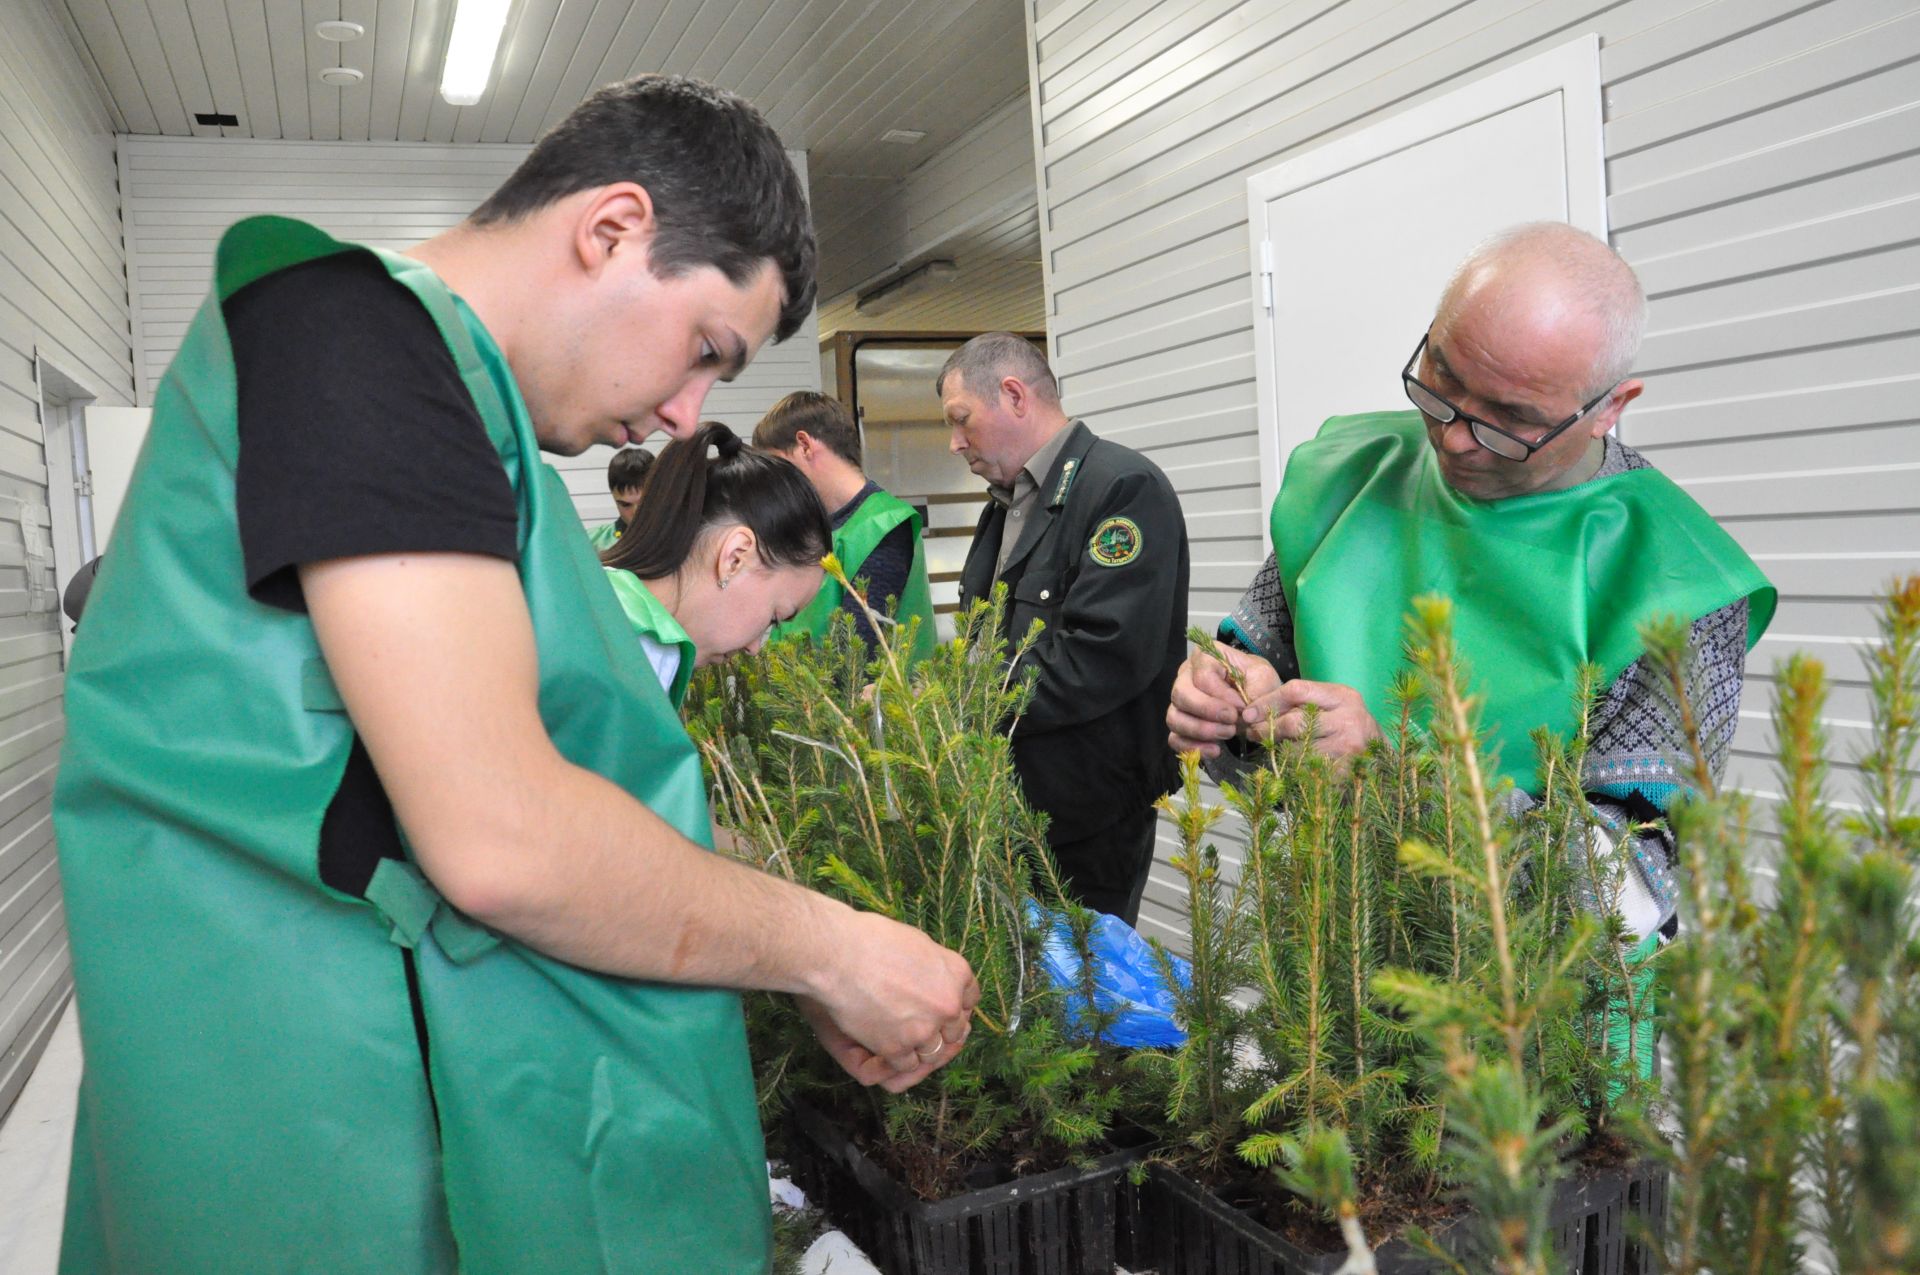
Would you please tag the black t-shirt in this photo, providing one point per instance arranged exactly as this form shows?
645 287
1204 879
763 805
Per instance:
357 437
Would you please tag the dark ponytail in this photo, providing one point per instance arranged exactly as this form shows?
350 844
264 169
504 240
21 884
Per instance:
688 492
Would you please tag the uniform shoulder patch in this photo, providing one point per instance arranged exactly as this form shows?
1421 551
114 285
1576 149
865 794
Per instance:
1116 542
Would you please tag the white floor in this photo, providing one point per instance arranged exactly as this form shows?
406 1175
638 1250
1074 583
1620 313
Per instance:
34 1143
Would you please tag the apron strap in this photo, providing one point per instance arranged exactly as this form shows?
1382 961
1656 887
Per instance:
414 908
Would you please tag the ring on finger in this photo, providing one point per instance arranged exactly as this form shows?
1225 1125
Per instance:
934 1052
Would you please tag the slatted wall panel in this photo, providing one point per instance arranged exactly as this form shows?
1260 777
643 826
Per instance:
972 201
1761 174
183 192
62 298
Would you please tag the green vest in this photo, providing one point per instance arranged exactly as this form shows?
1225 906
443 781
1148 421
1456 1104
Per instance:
602 537
253 1096
853 541
1541 584
651 619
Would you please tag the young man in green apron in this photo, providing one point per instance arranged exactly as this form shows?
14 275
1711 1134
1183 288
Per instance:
626 474
398 943
876 535
1503 490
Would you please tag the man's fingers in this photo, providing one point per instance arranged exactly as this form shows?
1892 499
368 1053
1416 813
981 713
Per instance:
906 1080
1183 725
1276 723
854 1058
1206 698
1299 693
1181 744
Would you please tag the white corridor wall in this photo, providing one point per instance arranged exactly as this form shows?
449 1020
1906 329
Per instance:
63 301
1761 176
181 193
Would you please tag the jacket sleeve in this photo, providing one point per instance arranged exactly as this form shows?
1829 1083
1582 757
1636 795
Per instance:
1110 639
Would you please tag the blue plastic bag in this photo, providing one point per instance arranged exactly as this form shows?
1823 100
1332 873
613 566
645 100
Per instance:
1127 983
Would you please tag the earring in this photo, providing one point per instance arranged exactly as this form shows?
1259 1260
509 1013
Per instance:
724 581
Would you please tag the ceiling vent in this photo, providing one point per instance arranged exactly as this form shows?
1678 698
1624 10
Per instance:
216 119
903 136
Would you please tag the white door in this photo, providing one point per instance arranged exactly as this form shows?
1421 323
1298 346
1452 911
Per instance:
1353 241
114 436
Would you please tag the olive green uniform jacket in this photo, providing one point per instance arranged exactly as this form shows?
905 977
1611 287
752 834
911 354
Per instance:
1103 564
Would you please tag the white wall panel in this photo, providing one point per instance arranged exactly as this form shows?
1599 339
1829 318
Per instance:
182 193
63 299
973 201
1761 177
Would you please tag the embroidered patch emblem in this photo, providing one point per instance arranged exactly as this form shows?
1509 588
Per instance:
1115 543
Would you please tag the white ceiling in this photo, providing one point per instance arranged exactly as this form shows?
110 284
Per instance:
830 75
999 286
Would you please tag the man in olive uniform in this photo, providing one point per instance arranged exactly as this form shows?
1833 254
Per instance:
398 943
876 535
1088 537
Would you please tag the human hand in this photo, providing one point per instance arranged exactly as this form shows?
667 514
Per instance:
1207 709
896 1007
1342 729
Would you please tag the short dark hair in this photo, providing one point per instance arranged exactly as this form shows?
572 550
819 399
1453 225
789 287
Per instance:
983 361
724 192
627 471
689 491
822 416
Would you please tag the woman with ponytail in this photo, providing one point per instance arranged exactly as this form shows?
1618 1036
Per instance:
724 546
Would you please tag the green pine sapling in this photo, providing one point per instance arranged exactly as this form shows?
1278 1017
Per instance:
893 789
1319 1168
1204 1087
1500 1153
1796 1046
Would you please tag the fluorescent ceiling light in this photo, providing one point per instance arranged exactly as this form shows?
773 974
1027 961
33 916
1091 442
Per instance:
477 27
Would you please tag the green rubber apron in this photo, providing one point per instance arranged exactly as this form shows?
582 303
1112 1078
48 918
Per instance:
650 619
254 1098
604 536
853 542
1541 584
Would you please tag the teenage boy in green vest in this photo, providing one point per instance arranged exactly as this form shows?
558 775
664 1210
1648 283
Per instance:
626 474
398 943
1504 489
876 535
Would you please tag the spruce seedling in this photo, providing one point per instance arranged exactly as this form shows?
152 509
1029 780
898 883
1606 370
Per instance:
1319 1168
903 800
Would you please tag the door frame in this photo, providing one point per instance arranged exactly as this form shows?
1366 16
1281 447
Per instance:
1571 71
63 434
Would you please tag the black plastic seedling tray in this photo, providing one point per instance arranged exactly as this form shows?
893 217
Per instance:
1173 1226
1059 1223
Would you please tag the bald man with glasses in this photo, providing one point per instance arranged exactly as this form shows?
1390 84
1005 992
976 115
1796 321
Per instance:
1503 489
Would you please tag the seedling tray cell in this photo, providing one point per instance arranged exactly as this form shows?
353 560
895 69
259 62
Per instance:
1174 1226
1059 1223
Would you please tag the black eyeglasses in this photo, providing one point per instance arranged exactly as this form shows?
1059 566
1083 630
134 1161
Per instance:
1490 436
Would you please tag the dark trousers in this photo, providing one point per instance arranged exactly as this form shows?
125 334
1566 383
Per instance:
1107 871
